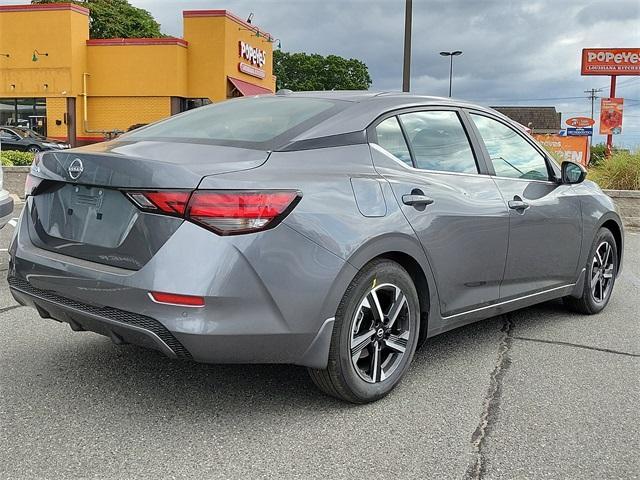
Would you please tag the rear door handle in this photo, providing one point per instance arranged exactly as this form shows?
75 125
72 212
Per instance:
416 200
518 204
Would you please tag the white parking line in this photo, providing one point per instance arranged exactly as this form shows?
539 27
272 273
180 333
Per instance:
13 222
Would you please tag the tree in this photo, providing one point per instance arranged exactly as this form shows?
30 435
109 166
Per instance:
303 72
115 19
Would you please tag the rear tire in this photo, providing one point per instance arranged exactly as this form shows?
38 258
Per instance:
371 347
600 275
33 149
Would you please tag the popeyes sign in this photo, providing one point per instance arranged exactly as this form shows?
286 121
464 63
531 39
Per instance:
611 61
255 57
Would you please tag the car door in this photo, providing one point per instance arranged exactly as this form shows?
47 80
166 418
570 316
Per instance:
545 227
454 207
10 140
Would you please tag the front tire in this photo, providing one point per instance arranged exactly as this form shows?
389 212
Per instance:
374 337
34 149
600 275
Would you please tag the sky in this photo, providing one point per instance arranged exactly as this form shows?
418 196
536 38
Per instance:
514 52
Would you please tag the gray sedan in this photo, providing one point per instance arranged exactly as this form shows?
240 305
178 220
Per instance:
333 230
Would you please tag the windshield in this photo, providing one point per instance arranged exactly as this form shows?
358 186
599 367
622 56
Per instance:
32 134
261 122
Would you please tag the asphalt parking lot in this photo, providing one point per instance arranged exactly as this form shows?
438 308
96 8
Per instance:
540 393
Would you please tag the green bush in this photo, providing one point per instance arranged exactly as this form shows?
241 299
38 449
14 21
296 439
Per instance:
620 172
14 158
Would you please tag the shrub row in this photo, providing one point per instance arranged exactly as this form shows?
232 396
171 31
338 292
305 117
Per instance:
12 158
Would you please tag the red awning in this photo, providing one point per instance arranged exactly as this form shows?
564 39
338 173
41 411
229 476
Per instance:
248 89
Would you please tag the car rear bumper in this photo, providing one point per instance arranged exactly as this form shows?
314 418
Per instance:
124 327
258 305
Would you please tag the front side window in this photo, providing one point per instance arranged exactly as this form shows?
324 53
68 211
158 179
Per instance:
439 141
511 155
390 138
6 134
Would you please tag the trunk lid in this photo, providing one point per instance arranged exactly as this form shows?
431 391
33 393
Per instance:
146 164
81 211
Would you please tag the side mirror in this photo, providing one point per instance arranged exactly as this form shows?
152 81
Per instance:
573 173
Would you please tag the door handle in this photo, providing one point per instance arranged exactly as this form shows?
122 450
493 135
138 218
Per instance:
416 200
518 204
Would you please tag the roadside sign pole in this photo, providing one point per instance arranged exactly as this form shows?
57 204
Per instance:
406 67
612 94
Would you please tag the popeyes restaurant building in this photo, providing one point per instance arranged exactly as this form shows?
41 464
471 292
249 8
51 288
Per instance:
56 80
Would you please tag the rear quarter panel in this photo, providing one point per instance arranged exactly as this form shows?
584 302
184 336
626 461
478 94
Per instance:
328 213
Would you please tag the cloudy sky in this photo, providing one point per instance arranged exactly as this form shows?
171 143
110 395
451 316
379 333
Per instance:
515 52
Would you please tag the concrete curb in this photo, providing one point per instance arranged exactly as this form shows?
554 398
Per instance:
628 202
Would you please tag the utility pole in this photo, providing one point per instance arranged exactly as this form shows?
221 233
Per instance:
406 70
592 96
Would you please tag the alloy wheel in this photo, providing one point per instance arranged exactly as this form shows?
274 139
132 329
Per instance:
602 271
380 332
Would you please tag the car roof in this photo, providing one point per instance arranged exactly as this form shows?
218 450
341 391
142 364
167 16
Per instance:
367 106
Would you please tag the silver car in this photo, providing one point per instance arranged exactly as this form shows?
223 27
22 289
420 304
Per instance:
333 230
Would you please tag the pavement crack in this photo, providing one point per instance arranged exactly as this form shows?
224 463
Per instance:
577 345
7 309
477 466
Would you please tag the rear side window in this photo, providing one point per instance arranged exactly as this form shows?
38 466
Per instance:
245 122
390 138
439 141
511 155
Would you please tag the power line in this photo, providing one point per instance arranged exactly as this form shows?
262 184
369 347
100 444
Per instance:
592 96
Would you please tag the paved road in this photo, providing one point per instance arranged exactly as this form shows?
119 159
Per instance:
541 393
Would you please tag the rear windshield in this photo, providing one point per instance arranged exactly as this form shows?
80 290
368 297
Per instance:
260 122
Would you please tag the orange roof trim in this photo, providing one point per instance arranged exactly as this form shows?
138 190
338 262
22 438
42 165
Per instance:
45 6
136 41
223 13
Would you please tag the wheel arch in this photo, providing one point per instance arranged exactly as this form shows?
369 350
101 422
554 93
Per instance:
408 253
612 222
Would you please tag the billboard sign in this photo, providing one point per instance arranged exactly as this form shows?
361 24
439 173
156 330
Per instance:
611 61
574 149
611 116
580 122
579 131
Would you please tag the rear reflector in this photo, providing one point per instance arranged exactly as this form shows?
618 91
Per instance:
235 212
176 299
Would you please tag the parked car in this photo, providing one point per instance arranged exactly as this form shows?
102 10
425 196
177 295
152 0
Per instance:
333 230
6 203
26 140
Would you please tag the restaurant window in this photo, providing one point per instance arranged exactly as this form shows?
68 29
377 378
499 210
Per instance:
24 112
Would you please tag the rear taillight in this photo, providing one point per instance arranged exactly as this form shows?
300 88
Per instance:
169 202
225 212
32 182
235 212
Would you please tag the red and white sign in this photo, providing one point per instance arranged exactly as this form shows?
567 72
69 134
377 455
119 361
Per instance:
580 122
611 116
251 70
255 56
611 61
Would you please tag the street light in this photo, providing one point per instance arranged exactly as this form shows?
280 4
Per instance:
451 55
